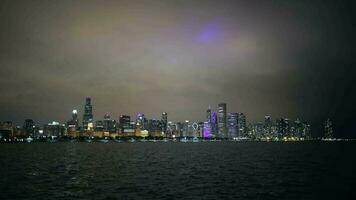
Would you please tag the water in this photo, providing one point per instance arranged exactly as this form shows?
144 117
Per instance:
206 170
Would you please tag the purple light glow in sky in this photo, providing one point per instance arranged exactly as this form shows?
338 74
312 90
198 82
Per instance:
209 33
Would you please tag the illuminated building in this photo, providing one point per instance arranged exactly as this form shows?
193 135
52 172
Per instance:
232 125
242 125
208 115
306 131
54 129
29 127
99 125
109 124
280 127
124 123
267 126
207 130
73 124
155 128
283 127
297 129
140 120
75 116
328 129
88 115
186 131
6 129
214 124
222 133
164 122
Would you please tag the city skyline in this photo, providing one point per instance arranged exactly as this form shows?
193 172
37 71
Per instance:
219 124
283 58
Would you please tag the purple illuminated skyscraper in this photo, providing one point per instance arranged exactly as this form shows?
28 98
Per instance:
207 130
214 123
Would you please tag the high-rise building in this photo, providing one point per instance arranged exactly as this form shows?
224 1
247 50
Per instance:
99 125
29 127
140 120
75 115
164 122
208 115
287 127
280 128
328 129
109 124
54 129
306 131
207 130
242 125
88 115
222 133
186 128
155 128
283 127
297 129
124 122
232 125
214 124
267 126
73 124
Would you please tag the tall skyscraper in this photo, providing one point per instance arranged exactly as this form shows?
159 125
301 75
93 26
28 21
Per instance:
232 125
73 124
328 129
214 124
75 115
164 121
88 114
242 125
208 115
109 124
207 130
267 126
124 122
222 133
29 127
140 120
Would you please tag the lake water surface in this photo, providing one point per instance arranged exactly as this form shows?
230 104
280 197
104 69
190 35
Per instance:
174 170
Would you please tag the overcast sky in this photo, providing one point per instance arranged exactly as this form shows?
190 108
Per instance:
280 58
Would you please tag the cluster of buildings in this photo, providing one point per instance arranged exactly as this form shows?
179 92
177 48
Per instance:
219 124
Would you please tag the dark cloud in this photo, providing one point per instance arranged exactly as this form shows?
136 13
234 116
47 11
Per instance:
282 58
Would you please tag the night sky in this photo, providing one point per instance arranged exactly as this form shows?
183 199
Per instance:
280 58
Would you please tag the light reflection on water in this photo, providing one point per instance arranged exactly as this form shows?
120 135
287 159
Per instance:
246 170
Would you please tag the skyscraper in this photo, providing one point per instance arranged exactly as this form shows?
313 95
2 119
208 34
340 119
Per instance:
232 125
88 114
29 127
267 126
109 124
73 124
222 133
124 122
328 129
140 120
242 125
208 115
164 122
75 115
207 130
214 124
